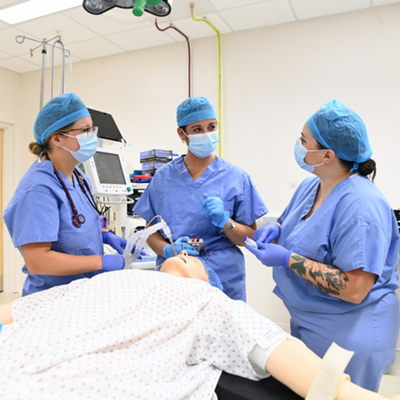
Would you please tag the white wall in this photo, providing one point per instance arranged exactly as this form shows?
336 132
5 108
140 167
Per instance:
273 79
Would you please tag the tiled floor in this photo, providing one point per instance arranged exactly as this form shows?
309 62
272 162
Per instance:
390 384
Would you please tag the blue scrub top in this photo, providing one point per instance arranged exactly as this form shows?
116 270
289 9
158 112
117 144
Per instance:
177 198
355 227
40 211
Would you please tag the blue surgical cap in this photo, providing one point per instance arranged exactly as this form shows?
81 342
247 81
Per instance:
58 113
194 109
340 129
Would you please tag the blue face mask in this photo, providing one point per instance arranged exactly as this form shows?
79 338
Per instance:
300 153
87 147
203 145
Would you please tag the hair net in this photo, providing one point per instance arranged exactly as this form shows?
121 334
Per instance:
59 112
194 109
340 129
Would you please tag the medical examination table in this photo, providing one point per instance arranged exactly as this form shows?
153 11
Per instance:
231 387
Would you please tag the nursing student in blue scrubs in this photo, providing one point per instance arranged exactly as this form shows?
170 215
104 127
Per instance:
335 261
200 193
52 219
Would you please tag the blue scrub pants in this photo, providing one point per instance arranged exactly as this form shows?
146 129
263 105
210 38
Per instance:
371 332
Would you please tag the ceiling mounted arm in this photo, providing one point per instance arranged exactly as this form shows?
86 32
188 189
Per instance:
159 8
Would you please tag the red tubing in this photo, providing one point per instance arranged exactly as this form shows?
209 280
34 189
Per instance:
188 44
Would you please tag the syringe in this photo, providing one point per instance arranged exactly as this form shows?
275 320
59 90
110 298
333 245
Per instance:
250 242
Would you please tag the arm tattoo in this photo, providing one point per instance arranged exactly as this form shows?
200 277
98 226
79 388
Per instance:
327 279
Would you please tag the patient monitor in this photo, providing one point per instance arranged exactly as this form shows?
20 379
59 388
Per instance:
108 174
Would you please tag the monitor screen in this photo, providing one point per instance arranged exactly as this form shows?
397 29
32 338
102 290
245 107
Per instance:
109 168
107 127
108 173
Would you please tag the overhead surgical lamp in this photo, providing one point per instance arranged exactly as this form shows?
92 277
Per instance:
159 8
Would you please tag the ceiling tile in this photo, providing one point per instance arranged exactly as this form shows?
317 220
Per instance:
4 55
17 65
3 25
10 45
113 21
201 8
88 36
136 39
217 21
316 8
192 29
52 25
196 29
225 4
37 59
94 48
272 12
384 2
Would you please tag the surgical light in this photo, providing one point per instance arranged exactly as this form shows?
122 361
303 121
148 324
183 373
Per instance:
159 8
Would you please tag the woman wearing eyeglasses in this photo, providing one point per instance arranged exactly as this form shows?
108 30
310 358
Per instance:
52 218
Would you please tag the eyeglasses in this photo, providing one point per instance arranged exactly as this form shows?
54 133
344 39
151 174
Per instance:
86 132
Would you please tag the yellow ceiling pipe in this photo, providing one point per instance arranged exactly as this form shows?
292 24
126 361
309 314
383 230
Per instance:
219 71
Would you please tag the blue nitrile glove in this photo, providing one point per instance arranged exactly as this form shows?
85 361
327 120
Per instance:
179 244
113 262
214 208
271 255
267 233
117 242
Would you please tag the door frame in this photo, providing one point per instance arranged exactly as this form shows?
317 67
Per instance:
12 260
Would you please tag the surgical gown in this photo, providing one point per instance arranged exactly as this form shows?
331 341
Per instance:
177 198
40 212
354 227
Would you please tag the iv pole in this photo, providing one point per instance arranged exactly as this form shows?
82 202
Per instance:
44 43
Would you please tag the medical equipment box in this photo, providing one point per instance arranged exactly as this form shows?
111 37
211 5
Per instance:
152 166
156 155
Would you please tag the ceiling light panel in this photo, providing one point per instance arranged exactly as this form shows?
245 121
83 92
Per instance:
34 9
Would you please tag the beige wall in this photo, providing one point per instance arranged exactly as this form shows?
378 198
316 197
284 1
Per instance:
10 123
273 79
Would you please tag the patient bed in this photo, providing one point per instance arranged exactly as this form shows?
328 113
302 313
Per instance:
231 387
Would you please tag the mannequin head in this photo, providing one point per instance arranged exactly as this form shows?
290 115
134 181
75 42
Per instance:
185 266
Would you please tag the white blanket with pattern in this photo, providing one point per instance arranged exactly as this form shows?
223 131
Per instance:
127 335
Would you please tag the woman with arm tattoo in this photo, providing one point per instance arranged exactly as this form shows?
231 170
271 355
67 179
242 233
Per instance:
336 252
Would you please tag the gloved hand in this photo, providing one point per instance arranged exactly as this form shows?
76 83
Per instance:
267 233
271 255
117 242
214 208
113 262
179 244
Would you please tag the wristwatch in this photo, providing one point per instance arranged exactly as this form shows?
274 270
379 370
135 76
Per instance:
231 227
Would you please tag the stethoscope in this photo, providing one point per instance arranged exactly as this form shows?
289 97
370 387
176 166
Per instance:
78 219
